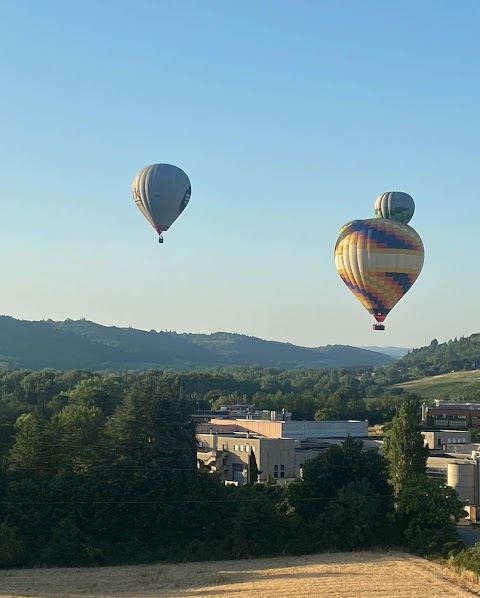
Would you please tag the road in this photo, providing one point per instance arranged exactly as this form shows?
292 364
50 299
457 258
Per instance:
470 534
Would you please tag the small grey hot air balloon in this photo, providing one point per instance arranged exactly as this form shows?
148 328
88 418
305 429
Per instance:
395 205
161 192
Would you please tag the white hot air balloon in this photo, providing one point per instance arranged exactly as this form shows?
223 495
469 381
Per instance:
161 192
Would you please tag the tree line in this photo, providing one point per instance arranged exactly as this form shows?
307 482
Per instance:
103 470
361 393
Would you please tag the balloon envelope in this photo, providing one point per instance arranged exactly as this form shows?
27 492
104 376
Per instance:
161 192
378 260
395 205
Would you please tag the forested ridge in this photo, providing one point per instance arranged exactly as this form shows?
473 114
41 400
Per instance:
87 345
73 344
441 358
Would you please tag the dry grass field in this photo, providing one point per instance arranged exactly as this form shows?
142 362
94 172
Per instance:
359 575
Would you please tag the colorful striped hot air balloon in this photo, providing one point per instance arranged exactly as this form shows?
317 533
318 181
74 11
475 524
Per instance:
379 260
161 192
395 205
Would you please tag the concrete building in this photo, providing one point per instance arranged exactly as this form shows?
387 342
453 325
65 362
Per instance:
439 439
281 448
451 415
229 455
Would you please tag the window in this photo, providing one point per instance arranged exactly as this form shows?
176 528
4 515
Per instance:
241 448
235 447
275 468
282 474
275 474
282 467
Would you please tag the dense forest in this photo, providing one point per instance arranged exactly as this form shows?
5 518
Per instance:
86 345
355 393
102 470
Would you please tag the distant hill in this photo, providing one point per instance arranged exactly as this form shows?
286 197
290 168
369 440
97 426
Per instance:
81 344
396 352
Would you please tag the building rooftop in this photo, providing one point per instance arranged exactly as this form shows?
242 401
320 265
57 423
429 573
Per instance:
454 405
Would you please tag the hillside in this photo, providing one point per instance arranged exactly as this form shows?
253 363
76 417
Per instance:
81 344
462 386
340 575
442 358
392 351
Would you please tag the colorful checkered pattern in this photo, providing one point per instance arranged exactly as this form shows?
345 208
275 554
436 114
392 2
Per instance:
379 260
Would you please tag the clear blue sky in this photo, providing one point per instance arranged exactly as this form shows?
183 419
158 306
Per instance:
289 116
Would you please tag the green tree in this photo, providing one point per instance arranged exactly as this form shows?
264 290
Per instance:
258 528
426 514
69 546
359 510
335 469
252 468
104 392
32 450
12 546
77 433
152 426
404 445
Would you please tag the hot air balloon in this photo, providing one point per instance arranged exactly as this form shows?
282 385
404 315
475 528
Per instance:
161 192
379 260
395 205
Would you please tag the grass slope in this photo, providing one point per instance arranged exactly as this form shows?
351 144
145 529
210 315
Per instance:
340 575
456 385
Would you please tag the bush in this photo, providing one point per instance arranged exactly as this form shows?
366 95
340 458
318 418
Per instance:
12 546
469 559
68 546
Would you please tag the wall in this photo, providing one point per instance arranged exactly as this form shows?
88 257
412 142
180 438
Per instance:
301 430
265 427
270 453
438 438
325 429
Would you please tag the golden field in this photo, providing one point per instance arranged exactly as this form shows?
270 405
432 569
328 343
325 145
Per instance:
358 575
